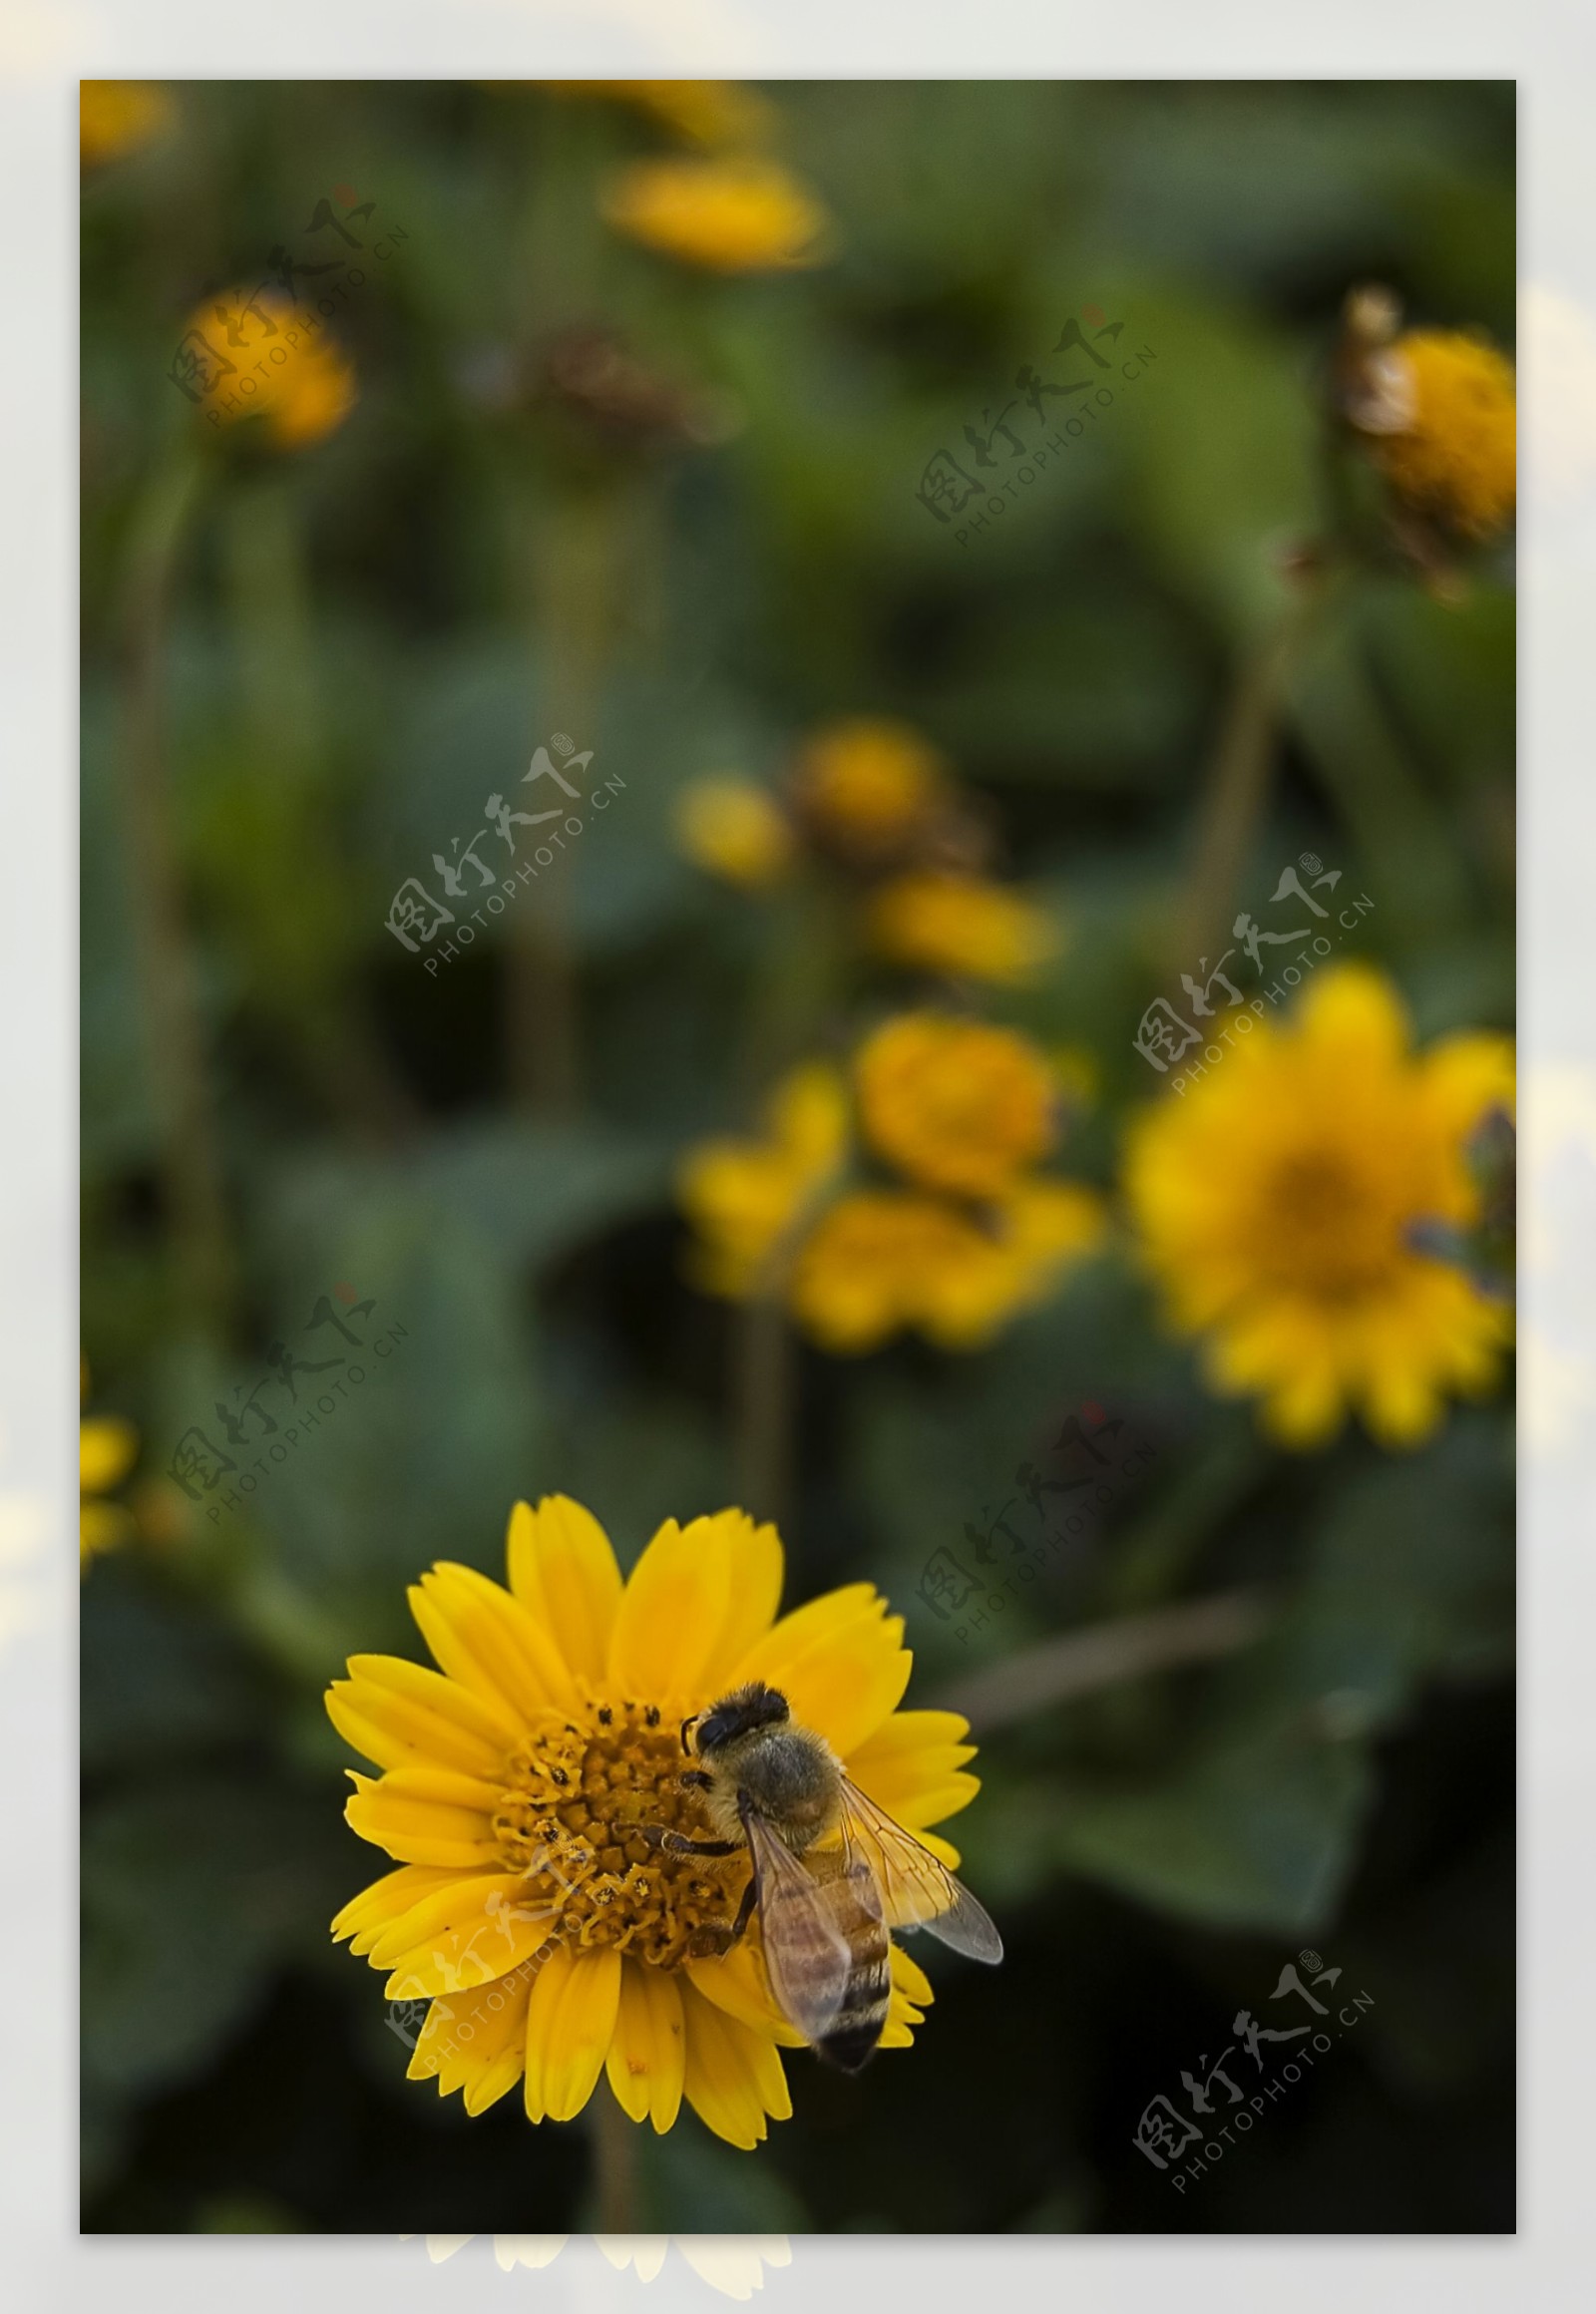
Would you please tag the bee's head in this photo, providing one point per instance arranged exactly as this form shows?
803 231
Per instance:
740 1713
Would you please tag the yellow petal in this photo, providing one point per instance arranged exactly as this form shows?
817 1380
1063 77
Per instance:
734 2076
424 1816
456 1938
912 1766
563 1572
647 2056
401 1714
645 2251
107 1450
755 1569
366 1916
842 1673
570 2020
673 1609
524 2249
476 2041
487 1641
736 1983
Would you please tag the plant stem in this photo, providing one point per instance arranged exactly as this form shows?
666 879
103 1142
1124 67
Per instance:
765 1353
1107 1653
1238 783
189 1159
614 2165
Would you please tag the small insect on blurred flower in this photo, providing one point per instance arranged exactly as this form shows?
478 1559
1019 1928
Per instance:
1439 411
1283 1206
962 928
108 1447
303 388
737 831
736 215
116 118
868 786
556 1941
955 1104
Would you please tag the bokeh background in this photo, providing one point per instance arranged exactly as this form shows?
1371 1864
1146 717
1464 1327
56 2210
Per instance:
304 669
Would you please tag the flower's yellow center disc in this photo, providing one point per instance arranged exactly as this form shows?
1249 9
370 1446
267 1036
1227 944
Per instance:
571 1819
1330 1233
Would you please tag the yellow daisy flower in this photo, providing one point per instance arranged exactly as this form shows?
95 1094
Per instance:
869 784
747 1198
733 829
554 1942
116 118
955 1104
1443 427
962 926
729 216
303 386
881 1261
1279 1200
108 1447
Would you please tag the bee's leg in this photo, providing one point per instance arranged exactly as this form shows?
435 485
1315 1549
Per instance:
696 1779
678 1844
745 1911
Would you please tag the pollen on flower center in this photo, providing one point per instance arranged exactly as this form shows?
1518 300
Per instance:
571 1819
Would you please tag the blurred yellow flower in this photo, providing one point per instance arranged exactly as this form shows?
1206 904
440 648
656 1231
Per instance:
731 216
962 926
710 111
1446 440
733 828
118 117
108 1447
955 1104
747 1198
553 1943
298 382
1277 1200
869 782
881 1261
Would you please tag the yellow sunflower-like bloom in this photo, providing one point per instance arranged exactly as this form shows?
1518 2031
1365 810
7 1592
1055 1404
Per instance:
735 830
955 1104
868 784
1277 1200
108 1447
116 118
554 1943
882 1261
747 1198
961 926
729 216
714 113
301 385
1447 440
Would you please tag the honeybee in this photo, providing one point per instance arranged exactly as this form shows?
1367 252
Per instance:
831 1873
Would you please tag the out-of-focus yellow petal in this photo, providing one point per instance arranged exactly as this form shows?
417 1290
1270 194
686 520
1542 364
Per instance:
108 1447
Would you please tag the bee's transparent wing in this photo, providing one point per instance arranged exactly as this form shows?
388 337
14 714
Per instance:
917 1890
806 1959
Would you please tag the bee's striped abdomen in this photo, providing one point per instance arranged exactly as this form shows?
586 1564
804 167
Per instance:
853 1902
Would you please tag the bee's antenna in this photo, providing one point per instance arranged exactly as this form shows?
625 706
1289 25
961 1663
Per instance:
690 1722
